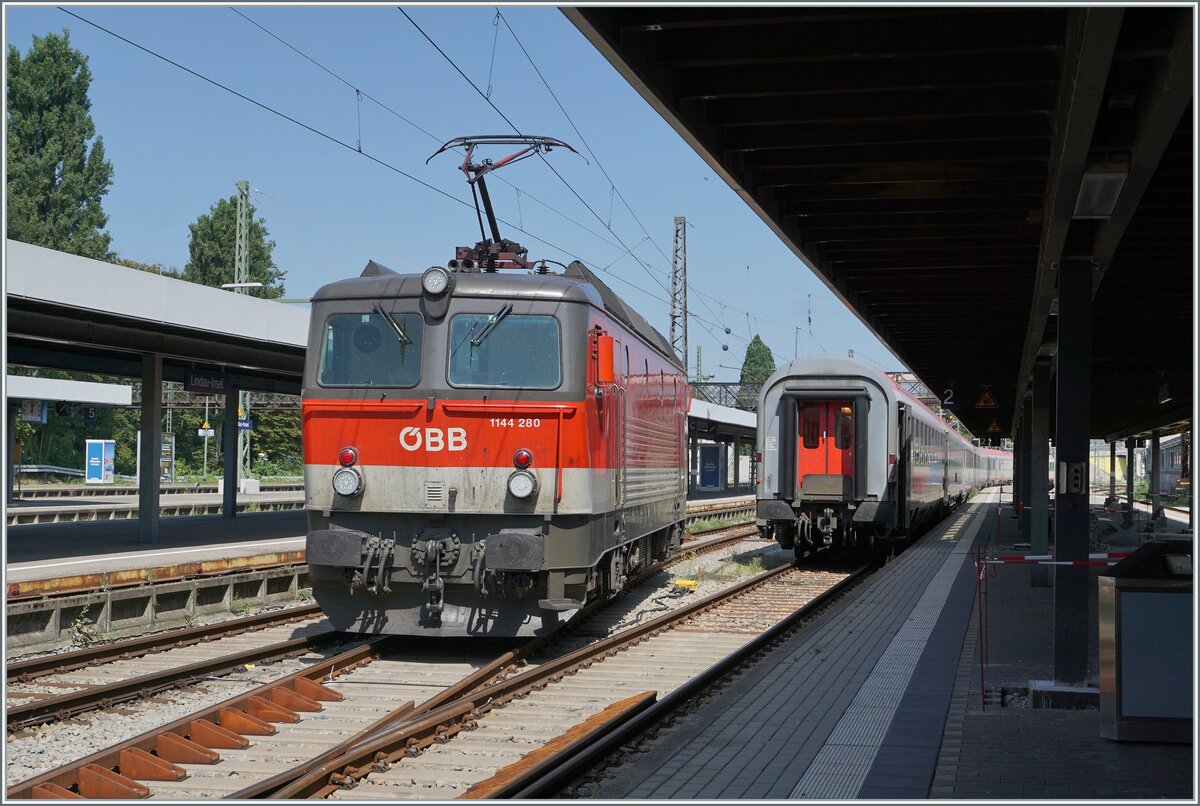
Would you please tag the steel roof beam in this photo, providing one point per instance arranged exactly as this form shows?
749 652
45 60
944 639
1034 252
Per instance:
1170 92
77 361
1091 42
894 106
868 75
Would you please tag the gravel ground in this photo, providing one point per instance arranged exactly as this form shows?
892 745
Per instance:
46 747
49 746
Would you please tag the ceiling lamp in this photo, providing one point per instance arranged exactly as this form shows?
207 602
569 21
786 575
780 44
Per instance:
1101 186
1164 391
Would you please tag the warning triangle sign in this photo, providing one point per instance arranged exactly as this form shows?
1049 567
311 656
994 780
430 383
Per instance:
994 428
986 401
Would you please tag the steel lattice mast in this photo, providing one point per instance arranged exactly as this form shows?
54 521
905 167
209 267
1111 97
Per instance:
241 276
679 339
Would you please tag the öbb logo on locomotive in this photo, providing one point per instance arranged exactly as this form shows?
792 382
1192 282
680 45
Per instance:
488 445
433 439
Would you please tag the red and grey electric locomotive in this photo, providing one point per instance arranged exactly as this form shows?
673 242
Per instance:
487 445
847 455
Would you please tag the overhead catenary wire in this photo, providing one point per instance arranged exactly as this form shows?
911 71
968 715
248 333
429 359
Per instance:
332 139
517 129
591 152
259 193
519 190
352 148
435 138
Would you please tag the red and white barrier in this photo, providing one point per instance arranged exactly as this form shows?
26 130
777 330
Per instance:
1095 558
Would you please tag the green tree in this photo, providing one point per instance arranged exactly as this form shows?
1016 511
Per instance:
151 268
756 368
212 246
55 180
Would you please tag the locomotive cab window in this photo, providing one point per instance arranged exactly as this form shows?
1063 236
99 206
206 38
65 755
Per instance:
503 350
810 425
380 348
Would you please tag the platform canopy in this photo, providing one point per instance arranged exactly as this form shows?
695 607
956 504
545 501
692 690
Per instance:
75 313
934 166
22 387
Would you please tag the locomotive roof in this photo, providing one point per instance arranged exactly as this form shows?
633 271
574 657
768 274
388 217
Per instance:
576 284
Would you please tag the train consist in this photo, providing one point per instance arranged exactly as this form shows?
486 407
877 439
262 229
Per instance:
485 451
845 455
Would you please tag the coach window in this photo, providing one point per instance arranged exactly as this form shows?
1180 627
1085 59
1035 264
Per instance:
511 351
810 425
844 429
371 349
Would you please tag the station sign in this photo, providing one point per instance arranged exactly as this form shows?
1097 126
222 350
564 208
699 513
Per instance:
205 383
245 424
33 411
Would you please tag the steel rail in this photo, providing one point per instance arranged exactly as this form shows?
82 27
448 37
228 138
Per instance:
410 736
575 759
26 670
229 712
77 702
329 761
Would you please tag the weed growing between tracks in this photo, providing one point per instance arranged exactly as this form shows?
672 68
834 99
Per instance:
708 524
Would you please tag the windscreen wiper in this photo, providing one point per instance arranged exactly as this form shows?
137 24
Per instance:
493 320
400 334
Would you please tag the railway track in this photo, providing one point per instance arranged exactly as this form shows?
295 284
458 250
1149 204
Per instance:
367 696
55 687
58 686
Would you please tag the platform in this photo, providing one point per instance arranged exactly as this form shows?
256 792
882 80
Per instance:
54 549
879 698
40 551
124 506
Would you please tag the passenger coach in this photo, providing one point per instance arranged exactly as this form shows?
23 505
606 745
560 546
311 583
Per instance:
847 455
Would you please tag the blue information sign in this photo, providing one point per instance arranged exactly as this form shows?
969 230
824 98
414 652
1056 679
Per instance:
100 458
245 424
710 467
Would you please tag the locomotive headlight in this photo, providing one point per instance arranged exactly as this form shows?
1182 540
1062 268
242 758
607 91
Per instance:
347 481
522 484
435 280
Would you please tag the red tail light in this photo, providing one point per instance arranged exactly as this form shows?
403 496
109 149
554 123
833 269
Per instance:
522 459
347 456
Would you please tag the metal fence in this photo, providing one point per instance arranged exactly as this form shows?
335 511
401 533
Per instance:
742 396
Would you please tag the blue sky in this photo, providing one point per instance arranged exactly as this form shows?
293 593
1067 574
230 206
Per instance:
177 144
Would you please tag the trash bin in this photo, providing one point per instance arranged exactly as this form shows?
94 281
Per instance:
1146 674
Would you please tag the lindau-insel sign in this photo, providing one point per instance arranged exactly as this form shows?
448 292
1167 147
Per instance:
205 383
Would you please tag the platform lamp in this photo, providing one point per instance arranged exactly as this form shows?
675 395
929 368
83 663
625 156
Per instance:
1101 185
1164 390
